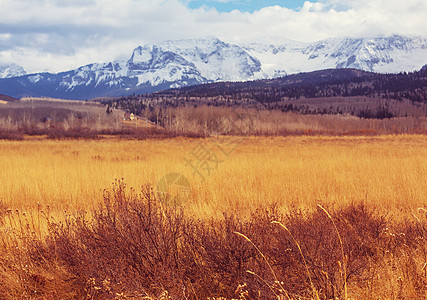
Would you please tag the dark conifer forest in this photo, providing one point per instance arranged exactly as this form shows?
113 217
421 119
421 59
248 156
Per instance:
335 91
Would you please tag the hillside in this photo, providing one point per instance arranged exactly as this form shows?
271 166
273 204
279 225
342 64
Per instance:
7 98
334 91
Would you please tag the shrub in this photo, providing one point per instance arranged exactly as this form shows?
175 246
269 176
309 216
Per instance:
134 245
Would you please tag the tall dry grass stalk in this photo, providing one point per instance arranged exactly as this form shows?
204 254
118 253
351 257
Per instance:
276 280
344 260
315 293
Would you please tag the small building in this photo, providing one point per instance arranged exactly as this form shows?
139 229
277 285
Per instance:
129 117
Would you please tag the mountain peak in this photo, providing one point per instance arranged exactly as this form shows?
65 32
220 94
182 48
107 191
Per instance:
11 70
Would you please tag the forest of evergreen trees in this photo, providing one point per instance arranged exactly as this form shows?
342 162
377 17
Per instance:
284 93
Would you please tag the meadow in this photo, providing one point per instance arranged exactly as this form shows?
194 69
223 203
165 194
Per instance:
83 218
382 171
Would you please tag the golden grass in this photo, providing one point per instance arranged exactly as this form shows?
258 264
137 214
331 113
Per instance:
387 172
41 177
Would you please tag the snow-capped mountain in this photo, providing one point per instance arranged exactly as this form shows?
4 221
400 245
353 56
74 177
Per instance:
12 70
150 68
178 63
382 55
216 60
187 62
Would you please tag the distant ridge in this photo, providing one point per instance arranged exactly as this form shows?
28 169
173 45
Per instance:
8 98
328 83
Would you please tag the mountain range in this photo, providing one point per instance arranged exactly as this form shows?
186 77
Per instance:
180 63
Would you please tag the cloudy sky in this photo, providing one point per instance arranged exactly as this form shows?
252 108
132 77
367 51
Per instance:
57 35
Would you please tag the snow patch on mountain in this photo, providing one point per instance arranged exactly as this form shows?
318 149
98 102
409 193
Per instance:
35 78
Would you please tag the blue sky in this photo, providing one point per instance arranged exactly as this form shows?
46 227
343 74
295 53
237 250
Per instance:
244 5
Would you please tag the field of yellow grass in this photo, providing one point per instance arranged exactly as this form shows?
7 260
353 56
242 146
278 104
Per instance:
387 172
254 222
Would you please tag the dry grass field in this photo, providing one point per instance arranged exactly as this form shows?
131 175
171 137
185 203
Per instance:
387 172
220 242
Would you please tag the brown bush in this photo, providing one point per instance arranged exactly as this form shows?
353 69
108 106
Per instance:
134 245
11 135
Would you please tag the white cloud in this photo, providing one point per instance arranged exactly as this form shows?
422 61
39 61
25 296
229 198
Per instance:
56 35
